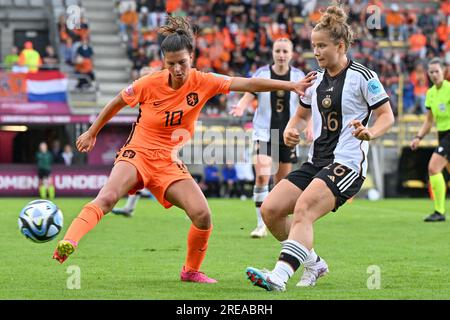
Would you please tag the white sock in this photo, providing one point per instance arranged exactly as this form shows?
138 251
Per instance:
259 194
131 202
259 219
282 272
311 259
292 255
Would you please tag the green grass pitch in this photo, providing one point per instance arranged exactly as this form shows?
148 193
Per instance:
141 257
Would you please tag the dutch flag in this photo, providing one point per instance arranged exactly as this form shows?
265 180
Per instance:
47 86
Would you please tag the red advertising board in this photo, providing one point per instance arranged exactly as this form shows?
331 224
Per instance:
22 180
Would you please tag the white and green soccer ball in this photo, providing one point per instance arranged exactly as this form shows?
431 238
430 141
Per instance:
40 221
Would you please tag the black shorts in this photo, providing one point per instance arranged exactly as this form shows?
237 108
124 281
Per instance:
285 154
343 182
443 149
43 173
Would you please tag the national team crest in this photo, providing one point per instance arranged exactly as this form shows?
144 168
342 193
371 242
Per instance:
326 102
192 99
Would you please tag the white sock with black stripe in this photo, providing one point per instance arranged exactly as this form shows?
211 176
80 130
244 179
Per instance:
292 255
311 259
259 195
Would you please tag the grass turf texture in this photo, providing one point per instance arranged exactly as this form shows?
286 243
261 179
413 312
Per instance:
141 257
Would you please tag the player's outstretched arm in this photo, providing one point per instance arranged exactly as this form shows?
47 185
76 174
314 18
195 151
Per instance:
86 141
295 126
384 121
244 102
424 130
262 85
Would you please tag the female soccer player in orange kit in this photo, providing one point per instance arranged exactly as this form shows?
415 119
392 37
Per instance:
170 103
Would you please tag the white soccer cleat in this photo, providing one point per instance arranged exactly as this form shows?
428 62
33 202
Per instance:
123 211
259 232
312 273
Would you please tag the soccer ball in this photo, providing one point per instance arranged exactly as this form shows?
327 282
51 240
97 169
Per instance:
40 220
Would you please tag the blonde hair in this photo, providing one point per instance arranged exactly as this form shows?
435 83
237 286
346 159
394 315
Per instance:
436 60
334 20
284 40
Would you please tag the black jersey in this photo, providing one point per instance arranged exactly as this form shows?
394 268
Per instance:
335 102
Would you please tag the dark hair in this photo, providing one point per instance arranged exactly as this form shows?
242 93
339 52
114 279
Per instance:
334 20
179 35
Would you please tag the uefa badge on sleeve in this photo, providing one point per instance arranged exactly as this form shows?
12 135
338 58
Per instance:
374 86
129 90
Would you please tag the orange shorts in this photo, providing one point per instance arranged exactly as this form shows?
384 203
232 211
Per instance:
156 168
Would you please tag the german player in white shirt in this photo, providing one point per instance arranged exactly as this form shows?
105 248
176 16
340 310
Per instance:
340 103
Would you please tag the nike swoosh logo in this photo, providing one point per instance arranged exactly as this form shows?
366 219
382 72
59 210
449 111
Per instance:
157 103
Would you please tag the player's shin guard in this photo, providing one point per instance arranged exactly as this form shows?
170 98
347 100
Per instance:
88 218
292 255
259 195
437 182
197 243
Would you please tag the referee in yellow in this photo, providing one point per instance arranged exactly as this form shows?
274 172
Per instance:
438 104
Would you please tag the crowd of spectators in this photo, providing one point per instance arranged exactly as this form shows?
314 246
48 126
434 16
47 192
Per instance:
61 155
235 38
75 48
74 55
28 59
229 181
413 35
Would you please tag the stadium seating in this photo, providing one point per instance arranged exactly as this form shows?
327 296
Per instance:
113 67
22 3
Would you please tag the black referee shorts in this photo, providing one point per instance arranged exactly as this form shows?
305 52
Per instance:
343 182
43 173
443 149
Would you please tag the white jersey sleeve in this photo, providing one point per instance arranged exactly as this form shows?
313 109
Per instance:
306 100
373 91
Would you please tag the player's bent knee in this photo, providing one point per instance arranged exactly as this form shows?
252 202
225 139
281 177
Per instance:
433 170
270 212
107 200
201 217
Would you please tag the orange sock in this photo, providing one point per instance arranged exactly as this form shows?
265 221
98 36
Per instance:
88 218
197 243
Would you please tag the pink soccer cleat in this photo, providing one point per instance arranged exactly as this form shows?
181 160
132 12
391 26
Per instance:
195 276
64 249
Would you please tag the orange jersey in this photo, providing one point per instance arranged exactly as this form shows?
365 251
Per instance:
167 116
